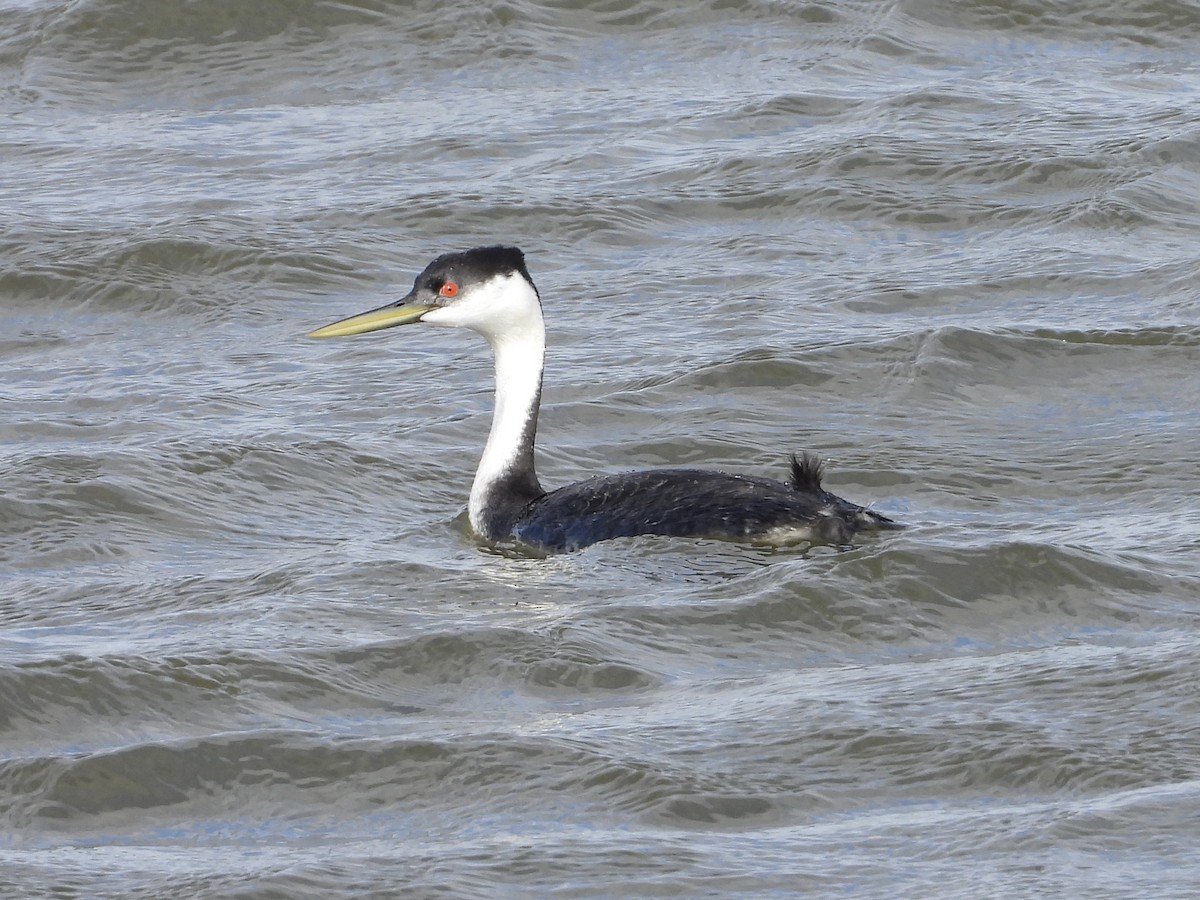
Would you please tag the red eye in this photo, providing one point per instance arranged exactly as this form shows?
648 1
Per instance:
449 289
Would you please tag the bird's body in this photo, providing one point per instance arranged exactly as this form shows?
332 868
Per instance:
489 290
692 503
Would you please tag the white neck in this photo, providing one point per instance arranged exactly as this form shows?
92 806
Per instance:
519 361
507 312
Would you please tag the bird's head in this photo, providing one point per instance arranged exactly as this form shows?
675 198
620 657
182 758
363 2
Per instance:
486 289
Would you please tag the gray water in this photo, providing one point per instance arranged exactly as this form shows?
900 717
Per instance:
248 646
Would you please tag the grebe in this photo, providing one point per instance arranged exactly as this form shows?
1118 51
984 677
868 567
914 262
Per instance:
489 290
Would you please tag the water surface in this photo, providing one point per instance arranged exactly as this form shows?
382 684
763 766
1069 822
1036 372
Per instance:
249 648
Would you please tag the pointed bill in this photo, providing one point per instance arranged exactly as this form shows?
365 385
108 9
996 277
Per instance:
384 317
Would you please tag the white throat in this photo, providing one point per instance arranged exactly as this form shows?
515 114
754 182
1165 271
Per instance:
507 312
518 391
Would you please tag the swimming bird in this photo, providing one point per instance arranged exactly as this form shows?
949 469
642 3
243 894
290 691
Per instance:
489 290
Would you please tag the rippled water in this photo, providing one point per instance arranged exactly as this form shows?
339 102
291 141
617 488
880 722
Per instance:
247 644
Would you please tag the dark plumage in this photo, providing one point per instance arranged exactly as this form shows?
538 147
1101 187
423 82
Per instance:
694 502
489 290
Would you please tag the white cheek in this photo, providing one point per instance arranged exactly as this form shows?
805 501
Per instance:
475 316
443 315
503 304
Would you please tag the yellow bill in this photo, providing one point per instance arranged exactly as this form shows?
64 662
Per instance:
384 317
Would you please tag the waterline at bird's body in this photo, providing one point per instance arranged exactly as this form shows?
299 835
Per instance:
489 290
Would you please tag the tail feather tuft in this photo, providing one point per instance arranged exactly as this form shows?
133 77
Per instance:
807 470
